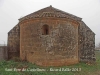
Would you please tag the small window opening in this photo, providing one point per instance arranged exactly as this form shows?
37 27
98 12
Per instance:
45 30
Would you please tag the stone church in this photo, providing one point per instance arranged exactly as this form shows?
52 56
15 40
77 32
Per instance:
51 37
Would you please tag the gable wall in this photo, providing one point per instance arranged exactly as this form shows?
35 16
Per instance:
86 43
13 42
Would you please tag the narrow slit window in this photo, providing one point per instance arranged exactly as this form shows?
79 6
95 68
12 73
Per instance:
45 30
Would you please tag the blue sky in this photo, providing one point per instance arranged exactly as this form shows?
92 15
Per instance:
12 10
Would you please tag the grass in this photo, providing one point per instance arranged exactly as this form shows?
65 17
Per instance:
77 69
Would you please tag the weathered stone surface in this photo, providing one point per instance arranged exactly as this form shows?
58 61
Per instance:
86 43
51 37
3 53
14 42
60 44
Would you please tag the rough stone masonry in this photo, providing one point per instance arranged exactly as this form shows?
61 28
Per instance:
51 37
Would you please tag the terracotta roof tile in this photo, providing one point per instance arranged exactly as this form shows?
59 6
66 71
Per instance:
50 12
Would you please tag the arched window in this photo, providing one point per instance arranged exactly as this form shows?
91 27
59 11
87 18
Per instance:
45 30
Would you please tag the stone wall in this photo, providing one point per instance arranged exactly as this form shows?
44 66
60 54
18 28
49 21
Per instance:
59 47
86 43
67 42
14 42
3 53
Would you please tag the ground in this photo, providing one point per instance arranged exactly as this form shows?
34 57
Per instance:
26 68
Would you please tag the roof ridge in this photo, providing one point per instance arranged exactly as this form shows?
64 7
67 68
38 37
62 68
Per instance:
56 13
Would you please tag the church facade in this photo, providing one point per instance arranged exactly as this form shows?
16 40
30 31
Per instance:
51 37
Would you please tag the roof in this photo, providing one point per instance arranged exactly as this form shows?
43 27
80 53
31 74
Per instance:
14 29
50 12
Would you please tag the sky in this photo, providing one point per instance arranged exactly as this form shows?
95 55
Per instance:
12 10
